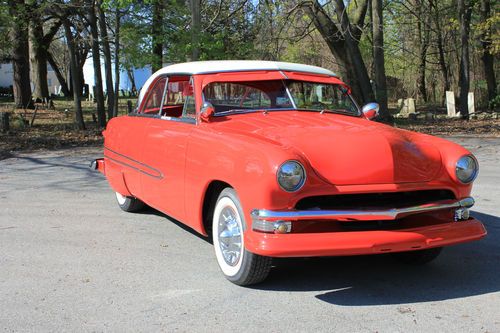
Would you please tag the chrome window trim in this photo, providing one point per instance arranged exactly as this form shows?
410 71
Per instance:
163 96
140 108
289 95
191 82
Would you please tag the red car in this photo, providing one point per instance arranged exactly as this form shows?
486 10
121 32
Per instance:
276 159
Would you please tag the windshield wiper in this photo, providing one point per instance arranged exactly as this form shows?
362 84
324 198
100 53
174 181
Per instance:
338 111
236 111
240 111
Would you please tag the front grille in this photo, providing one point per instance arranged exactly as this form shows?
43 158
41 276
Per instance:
373 200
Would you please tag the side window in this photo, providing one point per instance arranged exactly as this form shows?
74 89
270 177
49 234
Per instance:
179 98
154 97
189 105
189 108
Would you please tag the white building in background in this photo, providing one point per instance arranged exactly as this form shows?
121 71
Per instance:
6 75
7 78
140 76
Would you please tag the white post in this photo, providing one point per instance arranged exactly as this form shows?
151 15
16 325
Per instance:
470 103
450 104
411 105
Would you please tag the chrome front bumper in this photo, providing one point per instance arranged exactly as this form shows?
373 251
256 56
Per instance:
262 217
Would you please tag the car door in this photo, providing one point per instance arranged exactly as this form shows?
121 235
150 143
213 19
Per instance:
124 143
166 141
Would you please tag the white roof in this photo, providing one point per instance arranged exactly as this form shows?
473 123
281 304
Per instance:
217 66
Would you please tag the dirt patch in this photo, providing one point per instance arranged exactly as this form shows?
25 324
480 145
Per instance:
48 137
455 127
58 132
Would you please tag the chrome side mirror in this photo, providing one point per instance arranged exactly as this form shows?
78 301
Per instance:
207 111
370 110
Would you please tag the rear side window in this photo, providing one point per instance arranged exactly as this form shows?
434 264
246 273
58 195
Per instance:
154 97
178 101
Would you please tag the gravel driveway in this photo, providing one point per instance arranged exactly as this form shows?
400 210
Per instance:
71 260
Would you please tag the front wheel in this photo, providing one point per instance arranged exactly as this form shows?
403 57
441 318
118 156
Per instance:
129 204
419 257
238 265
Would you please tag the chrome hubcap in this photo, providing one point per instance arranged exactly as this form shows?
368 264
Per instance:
229 236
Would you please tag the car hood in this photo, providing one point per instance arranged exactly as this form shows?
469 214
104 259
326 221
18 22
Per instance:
345 150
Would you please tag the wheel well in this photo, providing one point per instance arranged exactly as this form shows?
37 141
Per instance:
209 201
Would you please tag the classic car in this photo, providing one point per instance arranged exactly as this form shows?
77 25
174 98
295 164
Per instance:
275 159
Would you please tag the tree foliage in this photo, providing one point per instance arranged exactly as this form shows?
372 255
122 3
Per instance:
415 46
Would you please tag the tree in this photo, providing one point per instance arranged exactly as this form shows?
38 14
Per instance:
75 73
342 37
96 59
58 58
157 35
118 16
422 45
378 56
20 53
486 44
38 56
107 58
195 28
464 16
436 19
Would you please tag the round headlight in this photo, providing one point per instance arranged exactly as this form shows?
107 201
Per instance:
466 169
291 176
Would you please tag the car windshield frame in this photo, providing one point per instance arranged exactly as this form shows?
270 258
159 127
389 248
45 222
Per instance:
354 112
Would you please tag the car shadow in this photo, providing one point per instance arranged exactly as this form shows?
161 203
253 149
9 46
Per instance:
462 270
151 211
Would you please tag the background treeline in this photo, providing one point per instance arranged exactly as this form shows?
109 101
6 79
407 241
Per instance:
385 49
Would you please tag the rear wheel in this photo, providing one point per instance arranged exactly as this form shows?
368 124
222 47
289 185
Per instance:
419 257
129 204
238 265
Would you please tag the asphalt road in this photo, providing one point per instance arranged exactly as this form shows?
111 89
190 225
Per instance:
71 260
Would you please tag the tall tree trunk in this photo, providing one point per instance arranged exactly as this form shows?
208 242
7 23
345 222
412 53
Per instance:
353 53
378 59
486 57
117 60
20 54
60 77
75 75
422 44
96 59
107 59
195 28
157 35
335 39
81 58
464 17
38 57
133 88
440 46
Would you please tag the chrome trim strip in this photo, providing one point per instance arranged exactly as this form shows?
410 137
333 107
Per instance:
290 96
359 215
148 170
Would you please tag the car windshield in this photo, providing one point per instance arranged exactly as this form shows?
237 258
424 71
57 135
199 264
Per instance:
275 95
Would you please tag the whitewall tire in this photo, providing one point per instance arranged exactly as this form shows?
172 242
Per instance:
129 204
237 264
